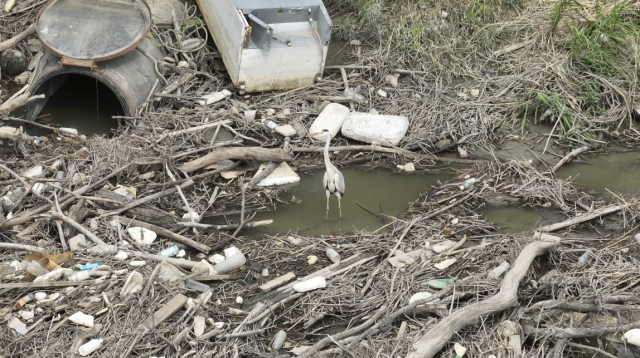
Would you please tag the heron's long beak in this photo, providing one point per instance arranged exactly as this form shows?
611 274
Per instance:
312 135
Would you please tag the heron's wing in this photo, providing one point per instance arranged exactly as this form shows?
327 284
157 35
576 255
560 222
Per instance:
339 182
325 180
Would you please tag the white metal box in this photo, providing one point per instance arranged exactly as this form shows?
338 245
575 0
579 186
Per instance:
270 44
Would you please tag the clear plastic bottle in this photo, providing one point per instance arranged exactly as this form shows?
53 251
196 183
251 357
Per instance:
354 95
170 251
197 286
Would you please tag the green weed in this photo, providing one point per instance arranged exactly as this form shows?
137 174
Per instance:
554 109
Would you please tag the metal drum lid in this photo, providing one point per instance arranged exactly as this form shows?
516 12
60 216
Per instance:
94 30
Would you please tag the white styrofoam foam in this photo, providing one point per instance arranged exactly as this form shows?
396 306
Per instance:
375 128
282 175
332 117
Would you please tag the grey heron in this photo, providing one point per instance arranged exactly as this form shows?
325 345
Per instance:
333 180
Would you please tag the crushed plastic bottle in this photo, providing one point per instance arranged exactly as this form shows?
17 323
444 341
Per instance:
197 286
498 271
468 183
585 257
170 251
354 95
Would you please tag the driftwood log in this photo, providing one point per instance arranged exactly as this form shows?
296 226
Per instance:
584 217
432 342
18 38
239 153
146 213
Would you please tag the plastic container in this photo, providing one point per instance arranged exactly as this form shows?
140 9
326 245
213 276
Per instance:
170 251
68 130
230 251
498 271
310 284
90 347
420 296
234 262
333 255
50 276
197 286
278 340
80 276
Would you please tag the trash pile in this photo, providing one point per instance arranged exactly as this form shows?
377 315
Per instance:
108 247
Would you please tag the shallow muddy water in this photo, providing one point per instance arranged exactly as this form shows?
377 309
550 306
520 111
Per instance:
617 172
373 189
81 103
516 218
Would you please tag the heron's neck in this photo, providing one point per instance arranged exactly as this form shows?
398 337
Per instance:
327 162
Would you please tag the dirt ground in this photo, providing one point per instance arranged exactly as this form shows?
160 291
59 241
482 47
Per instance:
522 87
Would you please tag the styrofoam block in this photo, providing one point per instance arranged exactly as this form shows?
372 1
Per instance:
332 117
282 175
375 128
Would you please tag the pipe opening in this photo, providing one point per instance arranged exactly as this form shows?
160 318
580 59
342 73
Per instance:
75 100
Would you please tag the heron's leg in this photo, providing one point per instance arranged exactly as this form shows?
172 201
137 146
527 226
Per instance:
328 195
339 207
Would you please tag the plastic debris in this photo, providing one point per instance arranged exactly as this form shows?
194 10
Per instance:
133 284
90 347
231 263
278 340
312 259
82 319
310 284
585 257
633 336
90 266
333 255
444 264
239 300
169 251
439 283
420 296
498 271
18 326
142 236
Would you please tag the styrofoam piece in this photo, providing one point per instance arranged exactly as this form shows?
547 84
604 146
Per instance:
278 340
239 300
35 172
80 276
82 319
283 174
216 258
332 118
310 284
444 264
90 347
419 296
102 249
286 130
120 256
17 325
78 243
137 263
39 296
230 251
234 262
26 315
442 246
214 97
198 325
202 265
133 284
633 337
372 128
142 236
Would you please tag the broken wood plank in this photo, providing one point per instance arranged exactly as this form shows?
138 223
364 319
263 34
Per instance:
237 153
166 233
584 217
146 213
166 311
277 282
10 246
45 284
217 277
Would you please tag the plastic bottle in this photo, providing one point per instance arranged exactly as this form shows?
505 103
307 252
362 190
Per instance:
197 286
585 257
170 251
333 255
23 301
468 183
498 271
68 130
354 95
231 263
310 284
36 269
90 347
278 340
